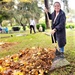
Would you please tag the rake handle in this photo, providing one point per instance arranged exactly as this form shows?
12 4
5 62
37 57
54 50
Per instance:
51 29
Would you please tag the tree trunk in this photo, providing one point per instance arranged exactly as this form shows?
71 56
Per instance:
11 23
65 6
46 19
24 26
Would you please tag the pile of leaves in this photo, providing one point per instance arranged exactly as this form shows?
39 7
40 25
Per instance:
7 44
34 61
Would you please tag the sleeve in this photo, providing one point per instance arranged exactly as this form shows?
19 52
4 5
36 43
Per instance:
61 25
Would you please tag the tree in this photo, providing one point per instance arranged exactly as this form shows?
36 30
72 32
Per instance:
21 11
65 4
5 9
25 11
3 16
46 17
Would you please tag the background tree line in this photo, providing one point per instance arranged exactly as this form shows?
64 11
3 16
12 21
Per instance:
23 10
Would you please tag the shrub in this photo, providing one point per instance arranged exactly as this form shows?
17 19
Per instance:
70 25
43 26
15 28
67 26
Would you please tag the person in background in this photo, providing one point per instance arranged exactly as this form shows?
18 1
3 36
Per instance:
58 26
40 28
6 29
32 25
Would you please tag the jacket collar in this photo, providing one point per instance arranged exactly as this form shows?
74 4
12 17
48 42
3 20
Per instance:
54 14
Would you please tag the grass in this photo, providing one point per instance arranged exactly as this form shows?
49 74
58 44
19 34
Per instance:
44 41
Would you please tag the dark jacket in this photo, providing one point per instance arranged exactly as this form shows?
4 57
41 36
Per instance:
59 25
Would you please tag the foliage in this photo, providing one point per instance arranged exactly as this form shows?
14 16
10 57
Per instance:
26 1
22 11
7 0
26 11
29 10
3 16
